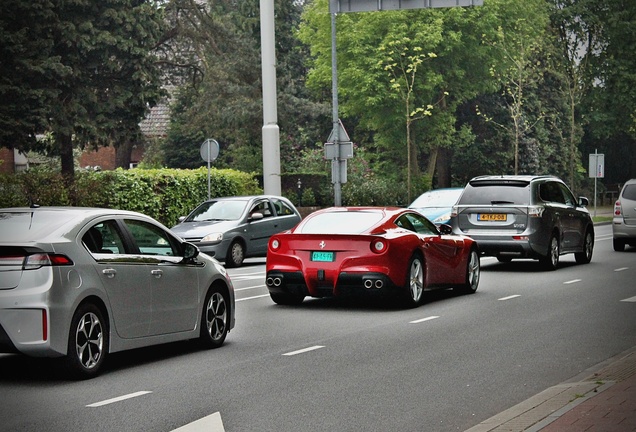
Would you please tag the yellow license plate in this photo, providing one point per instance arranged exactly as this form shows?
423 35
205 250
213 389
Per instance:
498 217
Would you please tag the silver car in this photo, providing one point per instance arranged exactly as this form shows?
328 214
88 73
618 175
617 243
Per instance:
624 222
234 228
80 283
525 216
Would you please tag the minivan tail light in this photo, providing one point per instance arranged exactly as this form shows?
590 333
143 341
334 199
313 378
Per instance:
618 209
454 211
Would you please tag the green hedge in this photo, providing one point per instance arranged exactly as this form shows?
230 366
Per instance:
164 194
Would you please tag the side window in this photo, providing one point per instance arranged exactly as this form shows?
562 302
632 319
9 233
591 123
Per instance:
568 198
404 222
282 209
421 224
104 237
152 240
263 208
551 192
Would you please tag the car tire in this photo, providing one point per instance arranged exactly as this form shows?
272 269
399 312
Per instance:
473 271
551 260
585 256
287 299
215 318
87 342
414 286
619 245
235 254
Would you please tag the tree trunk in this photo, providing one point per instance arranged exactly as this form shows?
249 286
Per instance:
123 154
444 157
65 145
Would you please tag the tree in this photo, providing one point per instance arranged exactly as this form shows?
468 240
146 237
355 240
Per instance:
94 71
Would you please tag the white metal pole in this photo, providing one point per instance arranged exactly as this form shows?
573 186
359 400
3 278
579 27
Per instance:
271 133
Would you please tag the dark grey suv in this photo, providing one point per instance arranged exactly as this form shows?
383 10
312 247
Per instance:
534 217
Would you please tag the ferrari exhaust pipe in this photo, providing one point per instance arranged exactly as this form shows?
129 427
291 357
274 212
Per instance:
368 283
274 281
379 284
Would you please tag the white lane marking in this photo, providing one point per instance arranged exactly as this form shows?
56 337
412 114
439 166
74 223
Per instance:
572 281
304 350
118 399
509 297
423 319
630 300
621 269
251 298
211 423
236 278
249 287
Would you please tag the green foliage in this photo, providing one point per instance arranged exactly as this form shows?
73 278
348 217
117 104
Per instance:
164 194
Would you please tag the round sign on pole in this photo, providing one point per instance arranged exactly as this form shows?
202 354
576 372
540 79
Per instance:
209 150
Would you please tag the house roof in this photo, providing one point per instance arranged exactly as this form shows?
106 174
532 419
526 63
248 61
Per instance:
156 122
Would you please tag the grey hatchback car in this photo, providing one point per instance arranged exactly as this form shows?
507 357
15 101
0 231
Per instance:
80 283
233 228
534 217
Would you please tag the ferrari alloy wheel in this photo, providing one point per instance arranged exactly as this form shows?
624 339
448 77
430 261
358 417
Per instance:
87 342
235 254
415 282
215 319
585 256
551 261
473 271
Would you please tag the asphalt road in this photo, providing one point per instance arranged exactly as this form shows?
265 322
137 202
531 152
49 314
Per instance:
351 366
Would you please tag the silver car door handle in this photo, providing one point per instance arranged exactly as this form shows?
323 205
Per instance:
109 272
156 273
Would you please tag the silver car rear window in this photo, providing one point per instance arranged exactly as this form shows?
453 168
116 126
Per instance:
345 222
629 192
30 226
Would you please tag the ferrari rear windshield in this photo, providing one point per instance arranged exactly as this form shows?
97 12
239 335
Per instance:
341 222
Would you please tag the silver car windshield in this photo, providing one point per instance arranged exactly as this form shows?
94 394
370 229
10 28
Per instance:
218 210
349 222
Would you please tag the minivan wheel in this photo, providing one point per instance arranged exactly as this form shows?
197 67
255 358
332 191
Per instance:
619 245
551 261
585 256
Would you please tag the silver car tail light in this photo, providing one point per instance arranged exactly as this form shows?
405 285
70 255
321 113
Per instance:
35 261
618 210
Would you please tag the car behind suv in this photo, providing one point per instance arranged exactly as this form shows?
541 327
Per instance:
525 217
624 223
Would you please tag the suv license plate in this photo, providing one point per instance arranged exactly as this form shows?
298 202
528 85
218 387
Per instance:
499 217
322 256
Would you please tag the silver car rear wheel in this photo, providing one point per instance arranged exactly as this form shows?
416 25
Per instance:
215 319
88 342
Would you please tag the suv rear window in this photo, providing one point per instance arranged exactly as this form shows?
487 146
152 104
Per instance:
489 193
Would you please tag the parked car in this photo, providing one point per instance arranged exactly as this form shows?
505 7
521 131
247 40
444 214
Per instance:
525 217
436 205
81 283
624 222
234 228
343 251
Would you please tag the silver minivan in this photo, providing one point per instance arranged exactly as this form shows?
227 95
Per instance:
525 216
624 222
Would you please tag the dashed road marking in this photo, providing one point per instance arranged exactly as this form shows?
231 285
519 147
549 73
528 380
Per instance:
118 399
571 281
630 300
621 269
304 350
509 297
211 423
423 319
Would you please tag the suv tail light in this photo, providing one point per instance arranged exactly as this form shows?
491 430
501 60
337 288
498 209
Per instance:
617 208
535 211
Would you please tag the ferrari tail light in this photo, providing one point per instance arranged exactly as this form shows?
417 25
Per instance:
274 244
378 246
618 210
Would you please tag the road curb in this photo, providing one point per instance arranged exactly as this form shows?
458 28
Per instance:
540 410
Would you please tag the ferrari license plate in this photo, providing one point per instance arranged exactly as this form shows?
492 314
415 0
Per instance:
498 217
322 256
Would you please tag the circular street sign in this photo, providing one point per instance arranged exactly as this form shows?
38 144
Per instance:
209 150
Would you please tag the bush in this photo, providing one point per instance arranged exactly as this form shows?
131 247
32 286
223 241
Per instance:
164 194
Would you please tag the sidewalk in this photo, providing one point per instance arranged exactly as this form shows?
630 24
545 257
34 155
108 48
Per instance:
602 402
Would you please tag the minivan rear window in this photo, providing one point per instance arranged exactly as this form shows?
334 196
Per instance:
630 192
489 194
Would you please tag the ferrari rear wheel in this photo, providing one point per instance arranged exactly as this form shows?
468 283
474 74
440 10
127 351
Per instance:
473 270
415 282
